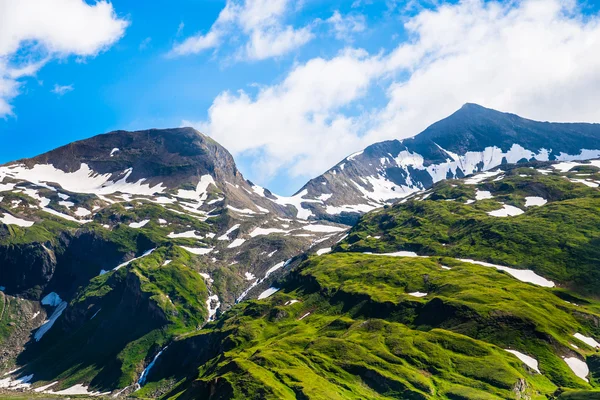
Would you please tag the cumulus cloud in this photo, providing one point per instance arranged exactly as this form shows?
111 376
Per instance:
538 58
260 21
32 32
344 27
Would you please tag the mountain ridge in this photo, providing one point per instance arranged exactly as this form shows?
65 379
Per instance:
472 139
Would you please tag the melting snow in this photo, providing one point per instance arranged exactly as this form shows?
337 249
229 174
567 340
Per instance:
326 250
506 211
113 151
483 195
236 243
147 253
241 211
527 360
139 224
249 276
42 388
188 234
206 277
212 311
82 212
144 375
84 180
323 228
524 275
417 294
48 323
198 251
274 268
475 179
567 166
586 183
67 204
304 316
11 220
225 236
578 367
201 192
396 254
19 383
534 201
296 201
52 299
267 293
266 231
587 340
290 302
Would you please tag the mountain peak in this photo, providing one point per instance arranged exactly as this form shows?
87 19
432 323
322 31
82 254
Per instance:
173 156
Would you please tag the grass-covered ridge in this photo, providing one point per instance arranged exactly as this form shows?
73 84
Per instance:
559 240
149 301
357 332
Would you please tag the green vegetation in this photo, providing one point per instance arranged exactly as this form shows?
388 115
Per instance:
559 240
148 301
356 332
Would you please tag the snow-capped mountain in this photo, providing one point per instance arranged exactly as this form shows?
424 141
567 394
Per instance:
119 250
472 139
139 179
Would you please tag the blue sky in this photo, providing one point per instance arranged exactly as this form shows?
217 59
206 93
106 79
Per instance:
289 87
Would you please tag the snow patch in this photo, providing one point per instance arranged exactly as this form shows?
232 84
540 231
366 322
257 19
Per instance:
225 236
417 294
483 195
506 211
267 293
527 360
146 253
198 251
236 243
587 340
323 228
524 275
11 220
532 201
50 321
140 224
326 250
52 299
578 367
188 234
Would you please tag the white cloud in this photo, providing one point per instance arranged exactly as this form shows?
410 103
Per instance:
62 89
260 21
538 58
345 26
39 30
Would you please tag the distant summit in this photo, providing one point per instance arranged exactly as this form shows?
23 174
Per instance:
472 139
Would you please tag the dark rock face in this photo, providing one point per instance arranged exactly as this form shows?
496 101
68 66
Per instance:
26 268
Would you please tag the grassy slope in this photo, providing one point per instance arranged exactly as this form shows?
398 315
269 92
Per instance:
365 337
560 240
149 302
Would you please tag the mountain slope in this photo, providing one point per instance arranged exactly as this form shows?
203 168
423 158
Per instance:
472 139
376 320
122 242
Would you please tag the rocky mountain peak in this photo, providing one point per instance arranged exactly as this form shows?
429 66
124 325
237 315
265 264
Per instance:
169 156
